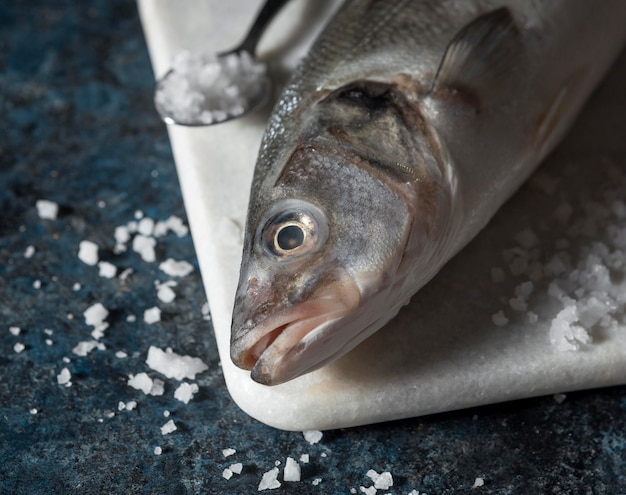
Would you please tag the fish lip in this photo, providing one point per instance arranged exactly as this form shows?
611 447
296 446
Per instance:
270 350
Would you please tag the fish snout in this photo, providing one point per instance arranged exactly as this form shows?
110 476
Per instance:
271 331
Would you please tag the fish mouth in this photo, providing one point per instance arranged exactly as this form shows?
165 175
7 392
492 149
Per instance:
286 344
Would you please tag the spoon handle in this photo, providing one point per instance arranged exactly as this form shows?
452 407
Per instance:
267 13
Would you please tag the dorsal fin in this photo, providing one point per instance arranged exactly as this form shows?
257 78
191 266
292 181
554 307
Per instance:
479 56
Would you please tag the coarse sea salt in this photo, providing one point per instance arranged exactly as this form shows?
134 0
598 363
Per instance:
64 377
269 481
106 269
228 452
165 293
236 468
291 471
175 268
85 347
29 252
168 427
206 88
174 365
312 436
15 331
478 482
186 391
19 347
144 246
47 210
147 385
152 315
88 252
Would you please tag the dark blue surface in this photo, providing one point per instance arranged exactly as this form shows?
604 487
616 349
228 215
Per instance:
78 128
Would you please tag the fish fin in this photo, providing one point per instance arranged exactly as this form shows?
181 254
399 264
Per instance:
477 59
557 110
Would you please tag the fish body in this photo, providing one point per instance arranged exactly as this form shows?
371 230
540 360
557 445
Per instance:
400 135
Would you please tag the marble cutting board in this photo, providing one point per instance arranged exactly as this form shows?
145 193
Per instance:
473 336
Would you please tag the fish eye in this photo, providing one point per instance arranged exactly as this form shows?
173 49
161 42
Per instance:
293 232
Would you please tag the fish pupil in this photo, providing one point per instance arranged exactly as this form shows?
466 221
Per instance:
290 237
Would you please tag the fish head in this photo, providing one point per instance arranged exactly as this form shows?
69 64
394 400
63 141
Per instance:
339 234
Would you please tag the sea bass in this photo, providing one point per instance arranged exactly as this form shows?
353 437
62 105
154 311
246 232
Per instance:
407 126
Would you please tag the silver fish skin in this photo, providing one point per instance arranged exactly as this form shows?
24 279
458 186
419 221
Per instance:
400 135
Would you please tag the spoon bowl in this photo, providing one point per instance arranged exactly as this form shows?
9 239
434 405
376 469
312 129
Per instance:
207 89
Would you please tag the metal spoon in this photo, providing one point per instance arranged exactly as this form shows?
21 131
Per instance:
204 89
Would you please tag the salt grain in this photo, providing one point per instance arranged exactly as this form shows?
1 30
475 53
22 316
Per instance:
19 347
29 251
47 210
185 392
15 331
152 315
85 347
368 491
173 365
316 481
228 452
88 252
312 436
147 385
175 268
236 468
499 319
292 470
269 480
227 474
304 458
33 410
145 247
165 292
158 450
478 482
168 427
106 269
64 377
146 226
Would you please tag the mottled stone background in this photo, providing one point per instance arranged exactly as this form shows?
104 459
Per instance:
78 128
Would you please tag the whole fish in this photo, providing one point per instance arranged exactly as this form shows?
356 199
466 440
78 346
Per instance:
400 135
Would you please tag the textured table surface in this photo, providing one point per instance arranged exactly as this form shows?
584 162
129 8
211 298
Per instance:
79 130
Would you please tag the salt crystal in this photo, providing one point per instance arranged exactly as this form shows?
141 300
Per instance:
76 287
227 474
228 452
138 214
131 318
368 491
236 468
499 319
168 427
15 330
173 365
292 470
478 482
49 342
47 210
88 252
175 268
166 413
304 458
122 236
85 347
29 251
526 239
121 355
37 284
130 405
121 406
312 436
106 269
269 480
95 314
33 410
158 387
64 377
158 450
152 315
186 391
145 247
19 347
518 304
141 381
165 292
316 481
146 226
384 481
